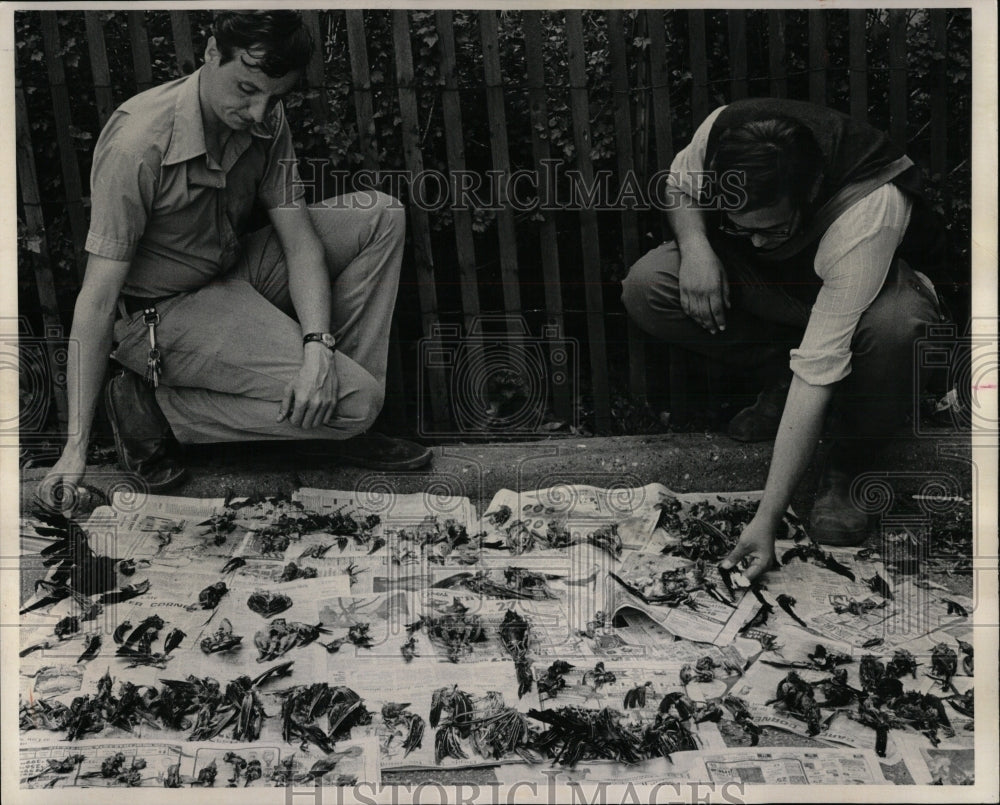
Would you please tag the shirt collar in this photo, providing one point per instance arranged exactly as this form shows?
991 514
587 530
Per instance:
187 139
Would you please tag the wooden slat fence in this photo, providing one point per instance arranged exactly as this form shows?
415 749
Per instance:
653 106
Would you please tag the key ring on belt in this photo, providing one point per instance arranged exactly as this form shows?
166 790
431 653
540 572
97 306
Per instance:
154 365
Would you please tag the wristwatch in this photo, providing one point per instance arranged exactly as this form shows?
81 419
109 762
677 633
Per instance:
326 339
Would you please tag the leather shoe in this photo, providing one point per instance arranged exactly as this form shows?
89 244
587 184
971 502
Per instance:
372 451
143 438
834 519
759 422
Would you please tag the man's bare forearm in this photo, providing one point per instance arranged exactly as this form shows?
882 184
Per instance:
309 288
798 434
686 220
93 319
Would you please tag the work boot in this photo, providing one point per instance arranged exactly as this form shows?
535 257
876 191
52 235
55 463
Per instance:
143 437
371 451
835 520
759 422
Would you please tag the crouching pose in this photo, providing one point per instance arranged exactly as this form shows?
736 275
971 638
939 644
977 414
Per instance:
227 334
798 231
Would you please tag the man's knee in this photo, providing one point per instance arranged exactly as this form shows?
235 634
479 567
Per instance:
357 411
897 319
651 285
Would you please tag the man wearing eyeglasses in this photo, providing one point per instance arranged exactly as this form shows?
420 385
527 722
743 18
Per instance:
801 232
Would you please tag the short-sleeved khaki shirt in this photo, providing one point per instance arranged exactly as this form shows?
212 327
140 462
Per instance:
161 202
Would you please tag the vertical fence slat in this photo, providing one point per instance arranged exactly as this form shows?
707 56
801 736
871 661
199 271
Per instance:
738 83
939 95
41 262
423 257
858 62
395 398
138 37
315 78
362 86
699 67
777 64
562 399
180 25
626 168
99 66
500 155
897 77
68 163
451 109
593 289
660 79
818 56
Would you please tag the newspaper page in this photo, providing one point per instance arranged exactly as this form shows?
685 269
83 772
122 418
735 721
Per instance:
837 608
175 764
578 509
707 616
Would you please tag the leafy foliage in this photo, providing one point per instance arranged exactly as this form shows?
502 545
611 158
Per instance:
325 126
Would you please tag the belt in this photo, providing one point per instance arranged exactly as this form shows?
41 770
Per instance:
135 304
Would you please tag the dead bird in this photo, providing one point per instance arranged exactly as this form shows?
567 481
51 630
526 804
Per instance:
173 640
126 593
64 766
408 725
222 639
636 697
67 627
172 779
825 659
358 635
148 626
955 608
880 586
811 551
409 648
210 597
944 664
92 648
119 634
787 602
598 676
37 647
554 680
268 604
233 565
967 650
292 571
206 776
902 663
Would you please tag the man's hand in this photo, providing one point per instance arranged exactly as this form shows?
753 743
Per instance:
310 400
757 544
704 288
58 490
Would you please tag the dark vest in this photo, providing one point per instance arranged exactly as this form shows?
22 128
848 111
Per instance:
853 152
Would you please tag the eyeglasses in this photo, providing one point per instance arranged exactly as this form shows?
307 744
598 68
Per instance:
729 228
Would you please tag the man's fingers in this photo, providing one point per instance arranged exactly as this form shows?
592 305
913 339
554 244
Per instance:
725 290
286 404
737 553
718 311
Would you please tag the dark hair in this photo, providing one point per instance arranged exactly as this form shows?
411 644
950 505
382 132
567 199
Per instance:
779 158
278 40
